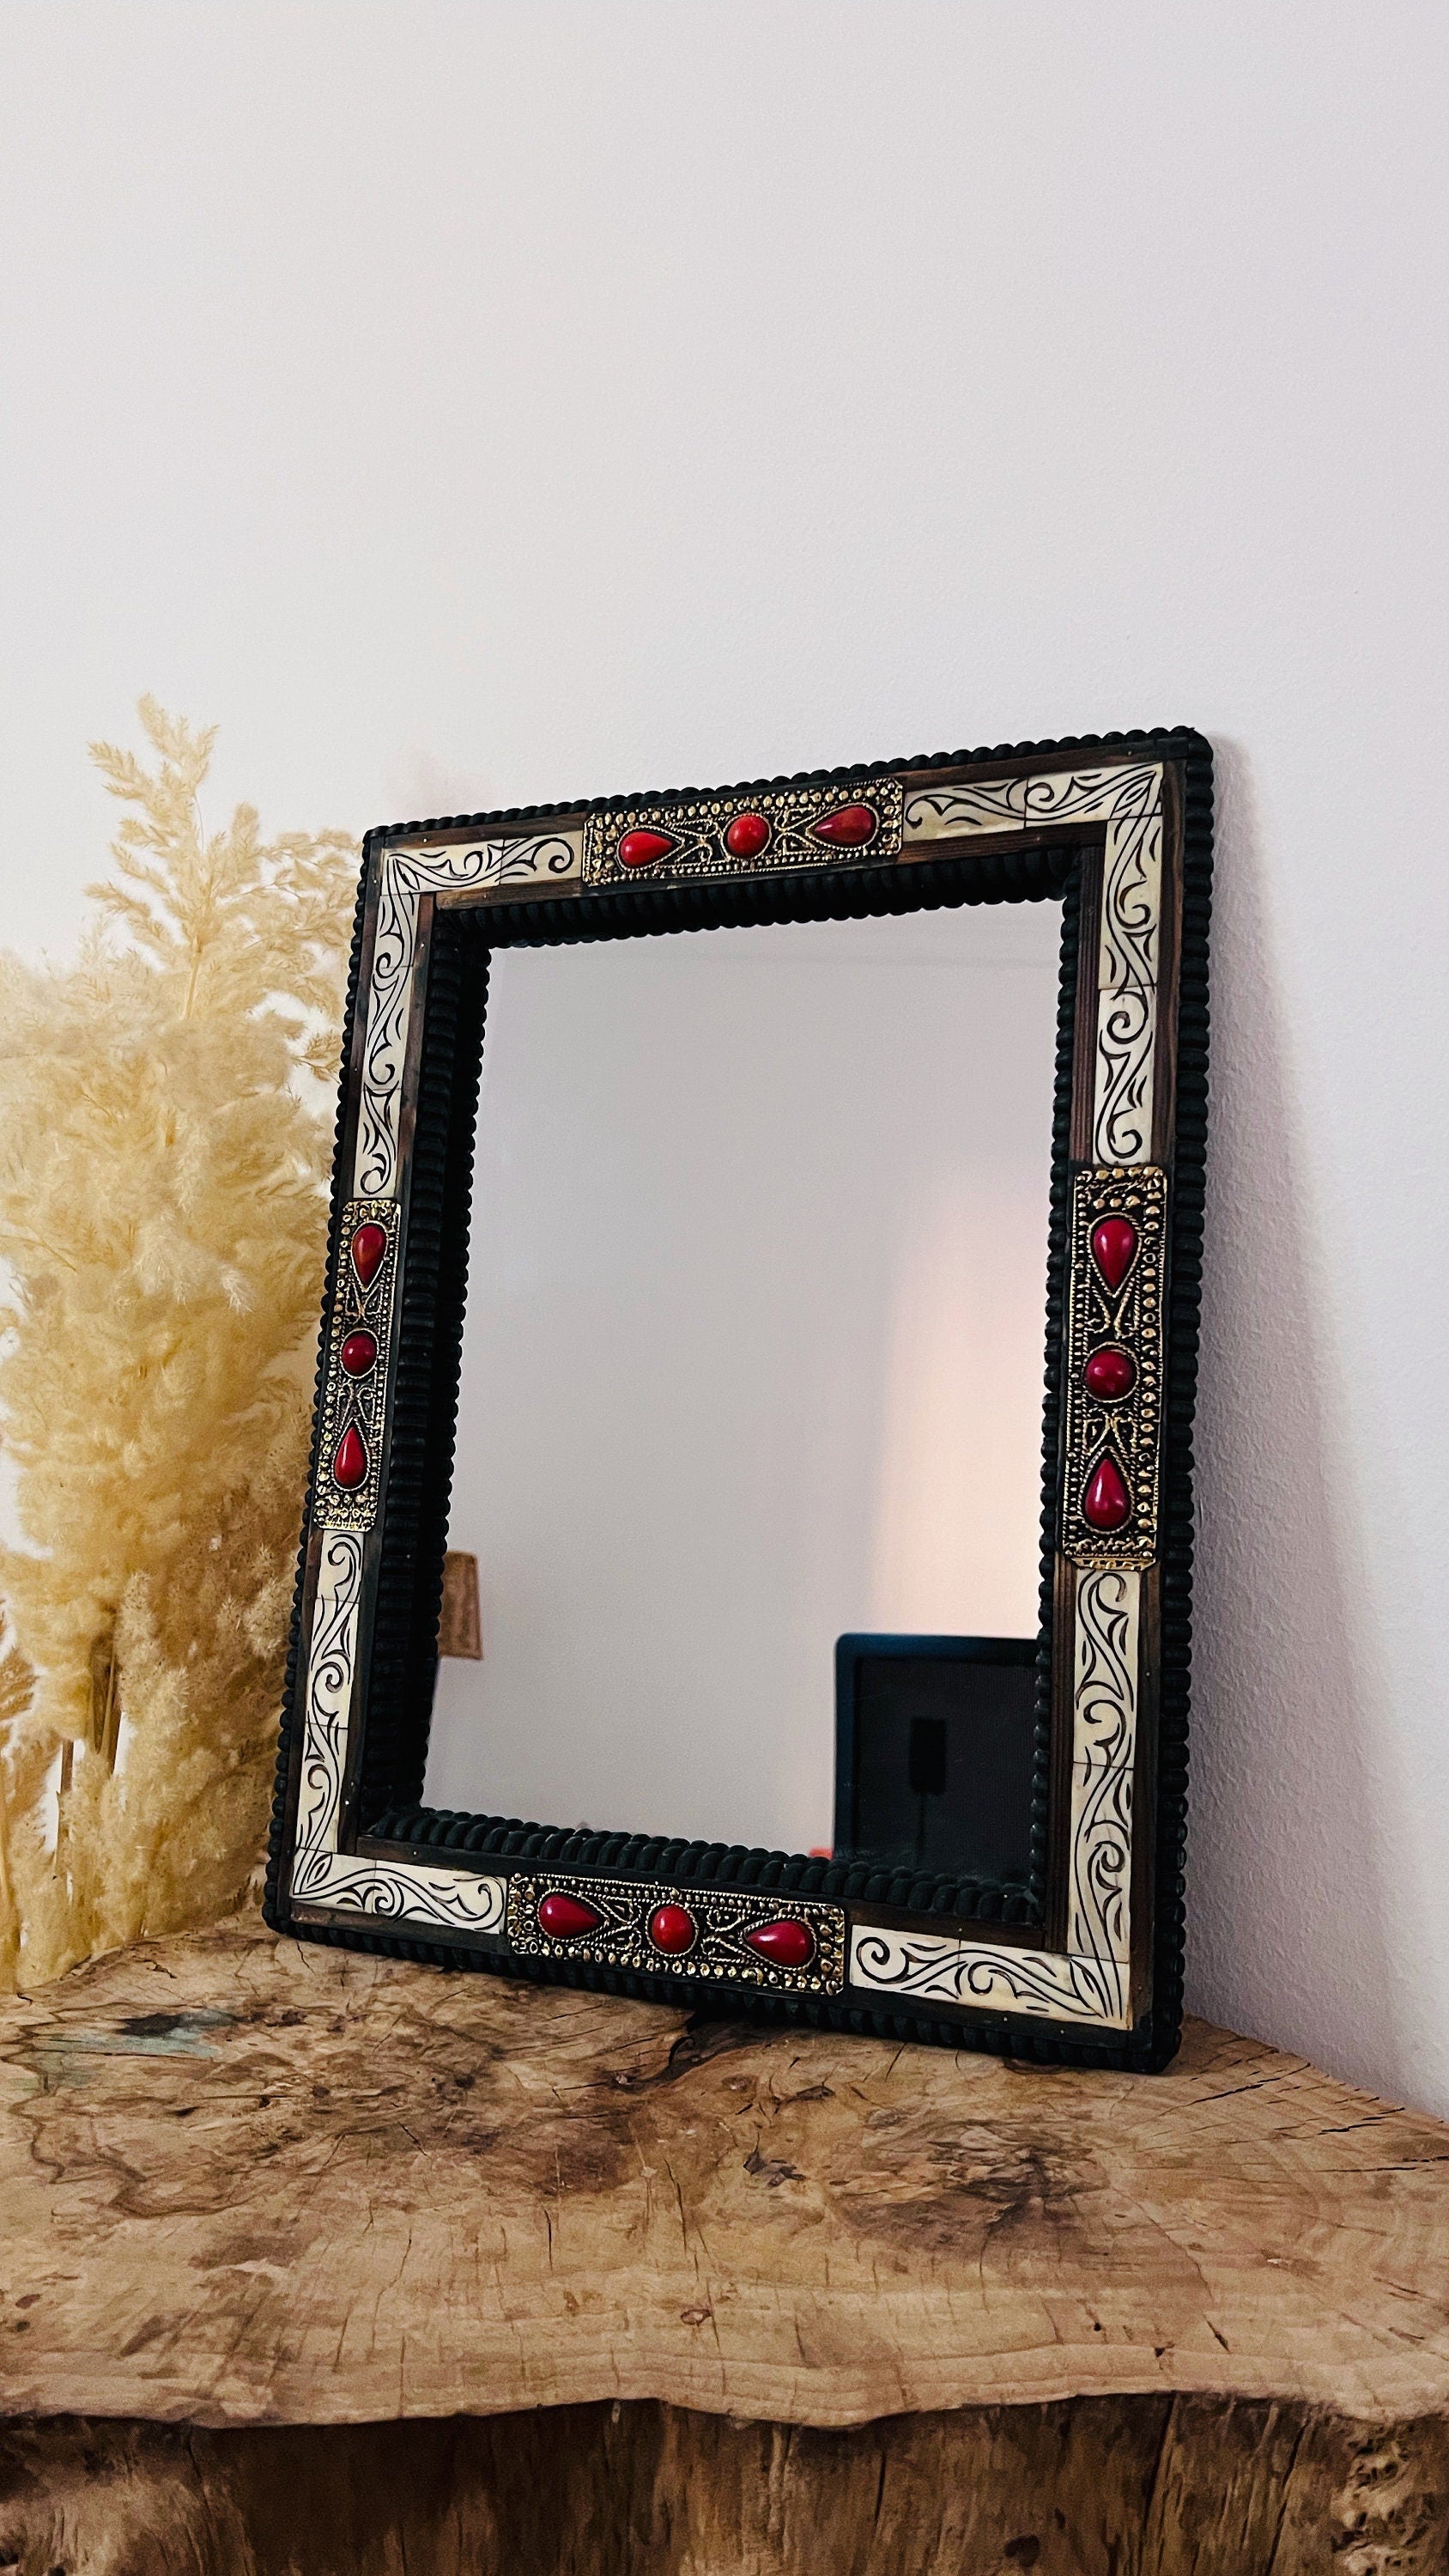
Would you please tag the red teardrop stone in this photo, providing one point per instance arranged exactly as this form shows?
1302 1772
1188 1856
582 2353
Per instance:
349 1467
1114 1242
848 828
785 1944
562 1916
747 836
1106 1502
358 1354
1110 1374
672 1929
641 849
368 1246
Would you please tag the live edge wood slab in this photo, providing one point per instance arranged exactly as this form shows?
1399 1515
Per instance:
314 2261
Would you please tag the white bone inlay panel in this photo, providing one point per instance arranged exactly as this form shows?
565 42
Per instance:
930 1967
409 1894
409 871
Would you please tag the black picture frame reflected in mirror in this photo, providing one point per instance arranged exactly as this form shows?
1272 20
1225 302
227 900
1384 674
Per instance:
935 1754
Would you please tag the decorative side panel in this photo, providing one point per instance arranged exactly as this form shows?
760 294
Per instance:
389 998
500 867
782 1945
1114 1366
420 1897
407 871
411 1896
746 835
354 1391
1128 800
977 807
1100 1834
930 1967
1104 1684
1126 1048
331 1672
1104 1744
1132 892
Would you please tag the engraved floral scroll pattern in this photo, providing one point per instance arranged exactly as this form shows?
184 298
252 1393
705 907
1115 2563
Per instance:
407 873
1128 800
1104 1746
1045 1984
331 1665
417 1898
321 1875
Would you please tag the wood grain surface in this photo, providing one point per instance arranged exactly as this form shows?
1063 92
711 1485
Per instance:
248 2182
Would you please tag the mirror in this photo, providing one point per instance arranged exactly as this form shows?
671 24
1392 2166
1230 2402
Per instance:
752 1360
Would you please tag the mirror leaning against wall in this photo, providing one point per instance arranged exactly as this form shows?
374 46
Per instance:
749 1525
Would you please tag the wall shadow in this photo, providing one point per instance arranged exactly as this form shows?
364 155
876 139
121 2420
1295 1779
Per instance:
1286 1933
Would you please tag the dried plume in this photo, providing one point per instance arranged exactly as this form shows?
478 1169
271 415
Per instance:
165 1129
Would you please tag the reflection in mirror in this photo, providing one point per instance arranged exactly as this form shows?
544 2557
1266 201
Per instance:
753 1357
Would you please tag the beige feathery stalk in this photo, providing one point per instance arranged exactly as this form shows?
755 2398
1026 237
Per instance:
165 1132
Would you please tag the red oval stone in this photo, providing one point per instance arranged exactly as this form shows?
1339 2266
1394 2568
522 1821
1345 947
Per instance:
672 1928
358 1354
848 828
562 1916
349 1467
1114 1242
748 834
1110 1374
641 849
368 1246
785 1944
1106 1502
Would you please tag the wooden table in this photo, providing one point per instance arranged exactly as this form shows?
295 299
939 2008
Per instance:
313 2261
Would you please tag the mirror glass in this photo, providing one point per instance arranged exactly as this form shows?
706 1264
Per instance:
753 1356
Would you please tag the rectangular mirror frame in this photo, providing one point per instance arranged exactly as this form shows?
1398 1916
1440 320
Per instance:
1083 1961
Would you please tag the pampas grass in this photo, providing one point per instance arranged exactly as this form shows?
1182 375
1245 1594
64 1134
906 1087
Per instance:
165 1136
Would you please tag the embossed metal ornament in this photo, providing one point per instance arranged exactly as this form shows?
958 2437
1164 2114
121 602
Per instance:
1114 1342
750 834
354 1391
730 1924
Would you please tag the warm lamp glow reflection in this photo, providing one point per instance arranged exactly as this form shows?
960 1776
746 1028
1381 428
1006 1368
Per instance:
956 1537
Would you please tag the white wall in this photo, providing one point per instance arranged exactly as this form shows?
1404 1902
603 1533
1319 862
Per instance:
470 404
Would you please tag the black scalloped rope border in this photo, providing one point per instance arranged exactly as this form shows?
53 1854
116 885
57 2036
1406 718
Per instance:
426 1413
